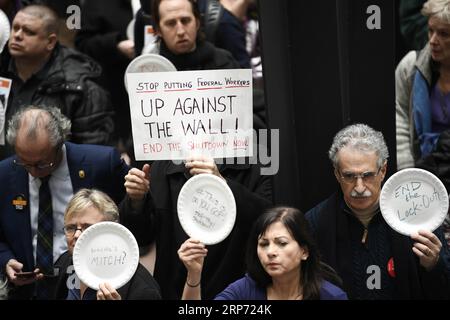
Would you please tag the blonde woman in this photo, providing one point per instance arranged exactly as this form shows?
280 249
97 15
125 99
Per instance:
88 207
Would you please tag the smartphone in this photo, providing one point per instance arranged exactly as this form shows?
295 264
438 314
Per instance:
25 275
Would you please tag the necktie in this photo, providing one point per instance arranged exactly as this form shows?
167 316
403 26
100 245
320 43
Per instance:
44 247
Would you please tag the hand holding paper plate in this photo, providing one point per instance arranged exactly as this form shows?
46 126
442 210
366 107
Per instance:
414 199
106 252
206 208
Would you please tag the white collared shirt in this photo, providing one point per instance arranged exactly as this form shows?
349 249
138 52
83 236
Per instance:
62 191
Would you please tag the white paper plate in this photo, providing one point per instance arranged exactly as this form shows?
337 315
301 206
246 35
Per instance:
206 208
148 62
106 252
5 29
413 199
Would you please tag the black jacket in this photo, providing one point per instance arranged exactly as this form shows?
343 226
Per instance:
103 25
223 29
205 57
332 226
142 286
158 222
68 82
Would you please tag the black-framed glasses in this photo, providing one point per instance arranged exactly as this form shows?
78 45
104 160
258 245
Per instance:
71 229
366 177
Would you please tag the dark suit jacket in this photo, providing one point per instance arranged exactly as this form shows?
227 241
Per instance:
103 170
142 286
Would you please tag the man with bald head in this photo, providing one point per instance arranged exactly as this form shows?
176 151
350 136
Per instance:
43 72
38 135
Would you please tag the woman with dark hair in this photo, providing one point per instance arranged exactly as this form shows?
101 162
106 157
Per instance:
282 263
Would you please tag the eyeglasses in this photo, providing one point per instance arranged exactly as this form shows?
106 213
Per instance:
71 229
38 166
366 177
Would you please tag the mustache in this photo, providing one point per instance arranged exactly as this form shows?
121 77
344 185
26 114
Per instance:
365 194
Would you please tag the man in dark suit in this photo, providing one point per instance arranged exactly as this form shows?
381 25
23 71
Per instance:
38 136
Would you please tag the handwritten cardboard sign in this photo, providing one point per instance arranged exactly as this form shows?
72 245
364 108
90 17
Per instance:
180 114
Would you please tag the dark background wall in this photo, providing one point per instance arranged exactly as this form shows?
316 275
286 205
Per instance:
324 69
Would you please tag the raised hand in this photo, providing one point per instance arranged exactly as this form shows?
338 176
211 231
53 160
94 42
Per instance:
202 164
137 182
106 292
427 247
192 253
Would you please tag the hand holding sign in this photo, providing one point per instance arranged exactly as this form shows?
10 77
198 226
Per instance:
413 199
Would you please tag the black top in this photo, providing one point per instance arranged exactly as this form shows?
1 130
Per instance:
158 222
142 285
339 236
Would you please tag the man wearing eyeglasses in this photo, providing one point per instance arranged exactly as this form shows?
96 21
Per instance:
374 261
43 157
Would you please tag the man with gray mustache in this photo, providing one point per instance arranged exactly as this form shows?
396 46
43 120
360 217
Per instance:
374 261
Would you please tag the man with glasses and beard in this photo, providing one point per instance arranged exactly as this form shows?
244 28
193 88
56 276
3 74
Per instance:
374 261
36 185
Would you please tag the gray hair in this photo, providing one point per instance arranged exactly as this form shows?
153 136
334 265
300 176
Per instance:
360 137
40 117
86 198
438 8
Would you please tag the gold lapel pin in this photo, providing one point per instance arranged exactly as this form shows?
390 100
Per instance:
81 174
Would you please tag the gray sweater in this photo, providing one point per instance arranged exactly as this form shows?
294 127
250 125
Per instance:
404 77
